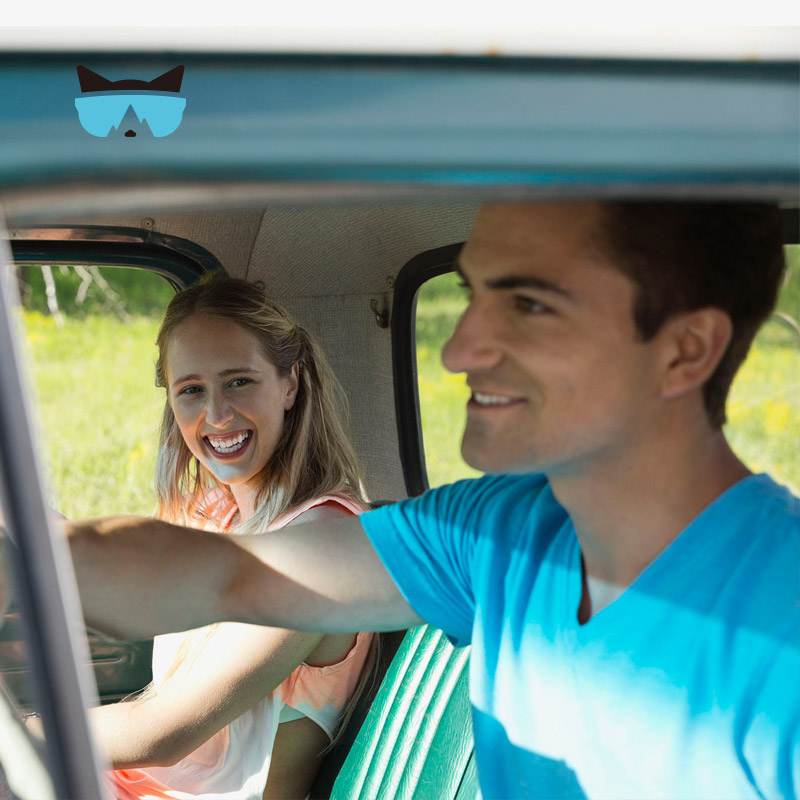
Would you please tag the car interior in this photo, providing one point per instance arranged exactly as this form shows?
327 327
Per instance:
345 273
344 229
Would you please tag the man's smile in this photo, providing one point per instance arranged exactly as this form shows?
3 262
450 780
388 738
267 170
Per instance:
490 400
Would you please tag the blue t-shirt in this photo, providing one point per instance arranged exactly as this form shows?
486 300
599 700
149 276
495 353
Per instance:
686 686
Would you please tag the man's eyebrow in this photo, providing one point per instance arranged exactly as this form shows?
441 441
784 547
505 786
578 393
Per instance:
528 282
223 374
520 282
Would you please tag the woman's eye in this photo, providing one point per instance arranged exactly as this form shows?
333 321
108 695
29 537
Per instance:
240 381
187 390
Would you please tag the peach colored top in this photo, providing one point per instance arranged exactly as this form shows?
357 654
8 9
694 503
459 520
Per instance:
234 762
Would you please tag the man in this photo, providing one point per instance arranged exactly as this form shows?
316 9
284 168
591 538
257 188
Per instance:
629 589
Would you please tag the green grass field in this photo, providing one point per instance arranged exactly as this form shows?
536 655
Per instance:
100 411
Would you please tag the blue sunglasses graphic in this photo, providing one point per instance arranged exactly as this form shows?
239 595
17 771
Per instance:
100 113
103 106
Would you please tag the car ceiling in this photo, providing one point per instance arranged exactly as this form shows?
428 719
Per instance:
307 251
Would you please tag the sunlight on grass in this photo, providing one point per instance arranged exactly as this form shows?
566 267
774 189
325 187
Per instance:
442 395
100 411
764 408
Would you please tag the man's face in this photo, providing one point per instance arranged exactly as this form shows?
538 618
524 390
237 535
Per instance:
559 378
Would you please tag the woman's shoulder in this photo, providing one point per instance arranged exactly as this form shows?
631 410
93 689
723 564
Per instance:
318 509
323 692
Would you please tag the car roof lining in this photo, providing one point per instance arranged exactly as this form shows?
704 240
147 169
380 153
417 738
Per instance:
321 249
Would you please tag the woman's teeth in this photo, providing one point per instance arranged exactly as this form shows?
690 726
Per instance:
230 444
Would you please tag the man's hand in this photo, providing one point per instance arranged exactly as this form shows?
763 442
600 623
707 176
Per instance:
33 722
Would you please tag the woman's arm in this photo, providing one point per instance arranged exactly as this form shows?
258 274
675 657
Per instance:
231 671
237 667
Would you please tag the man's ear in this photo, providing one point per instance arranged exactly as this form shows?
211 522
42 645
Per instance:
694 343
292 383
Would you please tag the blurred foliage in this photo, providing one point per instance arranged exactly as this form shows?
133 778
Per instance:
95 380
99 411
141 292
442 395
789 298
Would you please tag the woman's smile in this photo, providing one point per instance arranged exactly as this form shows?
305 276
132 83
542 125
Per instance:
228 445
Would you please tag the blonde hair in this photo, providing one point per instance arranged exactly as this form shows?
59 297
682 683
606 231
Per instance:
313 456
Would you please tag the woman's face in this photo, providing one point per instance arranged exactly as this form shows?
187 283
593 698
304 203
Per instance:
227 397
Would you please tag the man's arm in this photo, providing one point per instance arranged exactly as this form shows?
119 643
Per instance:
139 577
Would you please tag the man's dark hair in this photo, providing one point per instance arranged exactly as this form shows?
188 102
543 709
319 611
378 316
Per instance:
685 256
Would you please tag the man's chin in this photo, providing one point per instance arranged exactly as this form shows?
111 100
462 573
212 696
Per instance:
493 460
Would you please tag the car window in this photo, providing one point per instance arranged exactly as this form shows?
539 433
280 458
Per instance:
764 405
22 771
763 408
23 775
442 395
91 334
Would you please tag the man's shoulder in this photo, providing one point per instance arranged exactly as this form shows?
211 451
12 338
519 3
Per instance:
493 494
499 508
498 484
506 496
782 499
765 508
753 550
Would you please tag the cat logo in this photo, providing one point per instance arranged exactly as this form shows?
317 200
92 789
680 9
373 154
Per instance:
155 104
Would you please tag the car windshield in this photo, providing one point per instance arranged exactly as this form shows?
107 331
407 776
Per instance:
344 186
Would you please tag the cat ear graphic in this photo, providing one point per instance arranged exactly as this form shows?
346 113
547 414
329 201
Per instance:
168 82
92 82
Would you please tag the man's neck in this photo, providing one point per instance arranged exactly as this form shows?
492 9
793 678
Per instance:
626 513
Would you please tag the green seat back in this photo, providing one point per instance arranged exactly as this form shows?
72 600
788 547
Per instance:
416 742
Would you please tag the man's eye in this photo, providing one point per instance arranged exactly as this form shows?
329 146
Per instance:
240 381
528 305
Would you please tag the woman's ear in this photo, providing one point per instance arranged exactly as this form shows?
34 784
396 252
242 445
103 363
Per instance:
694 342
292 382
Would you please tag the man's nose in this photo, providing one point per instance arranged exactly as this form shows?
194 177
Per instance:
473 344
218 411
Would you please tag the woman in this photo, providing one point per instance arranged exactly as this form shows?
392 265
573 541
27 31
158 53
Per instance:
250 441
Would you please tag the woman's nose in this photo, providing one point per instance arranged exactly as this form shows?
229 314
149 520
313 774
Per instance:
472 346
218 411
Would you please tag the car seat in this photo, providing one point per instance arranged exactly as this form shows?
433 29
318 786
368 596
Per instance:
416 741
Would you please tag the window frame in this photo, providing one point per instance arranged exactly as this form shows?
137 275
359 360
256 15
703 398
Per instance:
44 583
180 261
420 269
